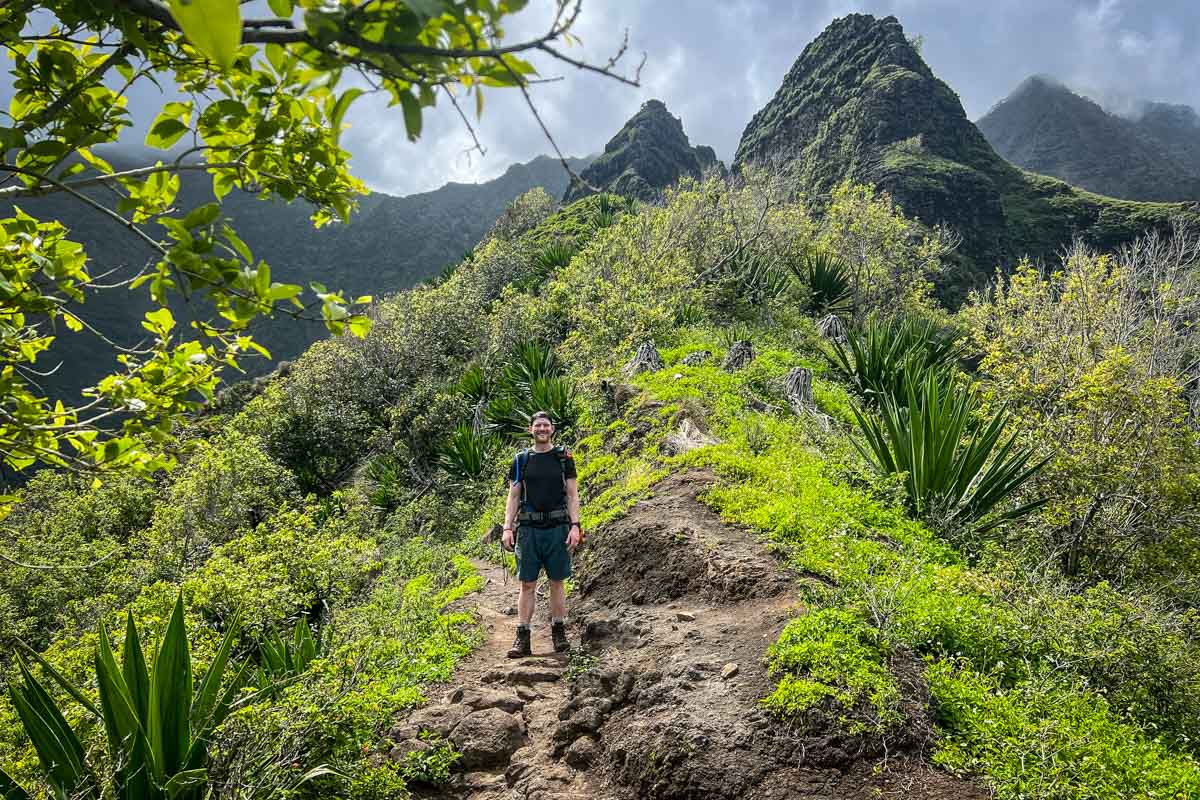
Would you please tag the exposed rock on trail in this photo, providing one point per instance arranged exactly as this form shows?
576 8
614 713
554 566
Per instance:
674 611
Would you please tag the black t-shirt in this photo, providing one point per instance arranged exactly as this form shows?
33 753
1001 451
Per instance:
543 479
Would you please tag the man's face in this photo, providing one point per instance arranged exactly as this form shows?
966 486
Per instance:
542 430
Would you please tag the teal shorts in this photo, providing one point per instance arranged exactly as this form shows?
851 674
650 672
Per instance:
539 548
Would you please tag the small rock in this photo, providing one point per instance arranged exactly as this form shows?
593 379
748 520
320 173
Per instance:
531 674
685 616
584 721
696 358
677 375
455 695
582 753
728 671
484 781
438 719
528 693
638 599
510 611
401 751
479 699
487 738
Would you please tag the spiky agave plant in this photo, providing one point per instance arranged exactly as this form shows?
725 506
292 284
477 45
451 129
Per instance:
607 208
879 356
552 258
157 724
956 473
467 452
285 660
828 282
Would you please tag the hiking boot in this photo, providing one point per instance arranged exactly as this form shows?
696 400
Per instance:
558 632
521 646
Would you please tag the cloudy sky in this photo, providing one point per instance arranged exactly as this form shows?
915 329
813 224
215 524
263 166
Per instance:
714 63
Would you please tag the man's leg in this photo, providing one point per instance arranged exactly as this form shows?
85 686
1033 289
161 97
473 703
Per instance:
558 600
527 599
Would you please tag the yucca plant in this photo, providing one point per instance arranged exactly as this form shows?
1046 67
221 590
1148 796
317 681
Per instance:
530 360
387 482
157 724
475 384
466 453
956 474
828 282
759 278
605 215
879 356
553 258
283 661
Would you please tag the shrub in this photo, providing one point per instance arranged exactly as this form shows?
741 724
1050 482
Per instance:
157 729
1049 740
832 656
828 281
469 452
883 354
954 478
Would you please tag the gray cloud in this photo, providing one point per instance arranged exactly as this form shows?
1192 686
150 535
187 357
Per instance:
715 64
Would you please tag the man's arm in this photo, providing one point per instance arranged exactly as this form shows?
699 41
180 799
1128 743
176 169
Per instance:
510 513
576 532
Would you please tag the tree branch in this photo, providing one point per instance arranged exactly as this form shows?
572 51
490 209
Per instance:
50 187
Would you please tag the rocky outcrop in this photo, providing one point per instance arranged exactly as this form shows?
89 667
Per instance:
648 154
860 104
1045 127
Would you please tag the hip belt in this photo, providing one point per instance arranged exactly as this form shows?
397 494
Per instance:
557 515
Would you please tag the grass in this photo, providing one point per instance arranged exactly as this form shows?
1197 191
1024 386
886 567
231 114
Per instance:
1018 671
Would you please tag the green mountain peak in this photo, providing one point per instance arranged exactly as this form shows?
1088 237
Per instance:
648 154
860 104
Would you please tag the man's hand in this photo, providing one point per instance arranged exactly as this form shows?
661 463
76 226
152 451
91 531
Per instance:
507 538
574 537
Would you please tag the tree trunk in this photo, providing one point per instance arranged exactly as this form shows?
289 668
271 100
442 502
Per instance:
798 389
741 354
646 358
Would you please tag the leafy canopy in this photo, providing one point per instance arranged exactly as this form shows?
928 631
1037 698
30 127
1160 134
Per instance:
257 105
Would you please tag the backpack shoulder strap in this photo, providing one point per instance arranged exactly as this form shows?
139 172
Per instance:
521 459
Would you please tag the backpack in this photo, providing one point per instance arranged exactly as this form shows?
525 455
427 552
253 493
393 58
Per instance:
522 459
520 462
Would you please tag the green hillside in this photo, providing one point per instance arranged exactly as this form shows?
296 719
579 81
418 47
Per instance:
391 243
922 638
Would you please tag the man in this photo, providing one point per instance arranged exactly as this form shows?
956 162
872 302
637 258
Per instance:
544 499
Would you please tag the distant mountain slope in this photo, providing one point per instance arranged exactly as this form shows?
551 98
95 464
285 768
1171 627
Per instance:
1045 127
391 244
648 154
861 104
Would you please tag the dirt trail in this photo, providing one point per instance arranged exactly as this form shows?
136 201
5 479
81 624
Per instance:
674 611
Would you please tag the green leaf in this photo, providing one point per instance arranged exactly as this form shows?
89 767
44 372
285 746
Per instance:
341 106
165 132
171 697
120 714
133 667
201 215
9 789
214 27
281 8
57 746
61 680
183 781
412 115
205 705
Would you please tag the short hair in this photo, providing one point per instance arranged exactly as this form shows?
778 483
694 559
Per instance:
541 415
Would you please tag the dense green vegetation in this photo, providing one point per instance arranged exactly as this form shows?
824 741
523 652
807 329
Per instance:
1060 653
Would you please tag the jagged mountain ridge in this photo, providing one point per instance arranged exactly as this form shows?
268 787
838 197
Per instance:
861 104
390 244
648 154
1045 127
